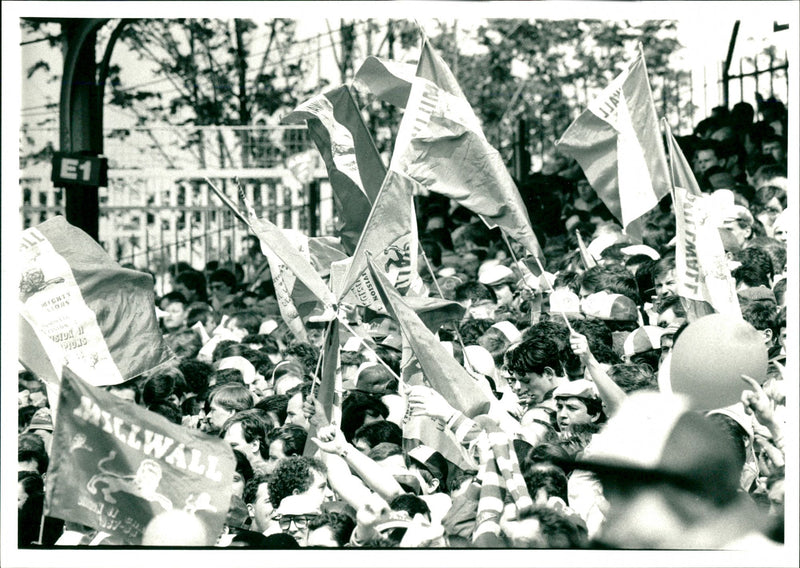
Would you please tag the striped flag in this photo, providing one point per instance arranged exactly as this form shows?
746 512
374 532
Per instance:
617 143
390 81
355 168
704 280
99 318
440 145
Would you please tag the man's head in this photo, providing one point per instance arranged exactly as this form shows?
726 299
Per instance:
174 308
247 432
259 506
500 279
225 401
295 514
299 475
221 284
294 407
577 402
535 366
288 440
736 227
705 156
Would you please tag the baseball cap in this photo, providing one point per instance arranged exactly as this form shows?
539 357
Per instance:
509 330
633 250
757 293
496 275
576 389
609 307
42 419
375 379
431 460
240 363
655 437
643 339
564 300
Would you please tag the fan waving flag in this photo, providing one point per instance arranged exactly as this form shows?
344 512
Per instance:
355 168
442 372
440 145
99 317
617 143
704 280
115 466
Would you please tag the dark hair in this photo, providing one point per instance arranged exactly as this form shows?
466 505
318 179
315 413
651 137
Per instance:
533 356
168 410
276 403
355 408
173 298
632 377
249 320
225 276
496 343
546 476
735 433
391 357
256 425
199 312
381 431
230 376
474 291
341 525
384 450
472 329
158 388
412 504
243 466
31 448
293 438
293 474
306 353
557 529
196 374
756 262
185 343
251 487
761 315
195 281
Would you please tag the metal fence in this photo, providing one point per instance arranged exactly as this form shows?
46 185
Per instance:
159 209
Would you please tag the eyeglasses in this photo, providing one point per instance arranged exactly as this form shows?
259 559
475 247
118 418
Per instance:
300 521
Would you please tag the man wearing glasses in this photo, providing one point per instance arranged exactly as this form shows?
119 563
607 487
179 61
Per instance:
294 515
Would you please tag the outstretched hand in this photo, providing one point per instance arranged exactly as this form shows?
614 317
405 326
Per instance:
425 401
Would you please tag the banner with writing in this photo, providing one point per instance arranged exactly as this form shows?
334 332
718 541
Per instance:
100 316
115 466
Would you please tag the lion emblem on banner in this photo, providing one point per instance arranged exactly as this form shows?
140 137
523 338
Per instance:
143 484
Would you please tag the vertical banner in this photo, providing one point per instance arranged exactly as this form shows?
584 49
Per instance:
115 466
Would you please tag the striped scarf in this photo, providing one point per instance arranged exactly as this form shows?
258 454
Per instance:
499 474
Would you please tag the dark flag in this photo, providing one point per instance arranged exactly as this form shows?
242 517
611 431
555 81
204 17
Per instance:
115 466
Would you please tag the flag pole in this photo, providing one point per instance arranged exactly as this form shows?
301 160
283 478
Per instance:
227 201
539 264
441 295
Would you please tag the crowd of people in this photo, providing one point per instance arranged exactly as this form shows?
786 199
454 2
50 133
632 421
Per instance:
585 450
